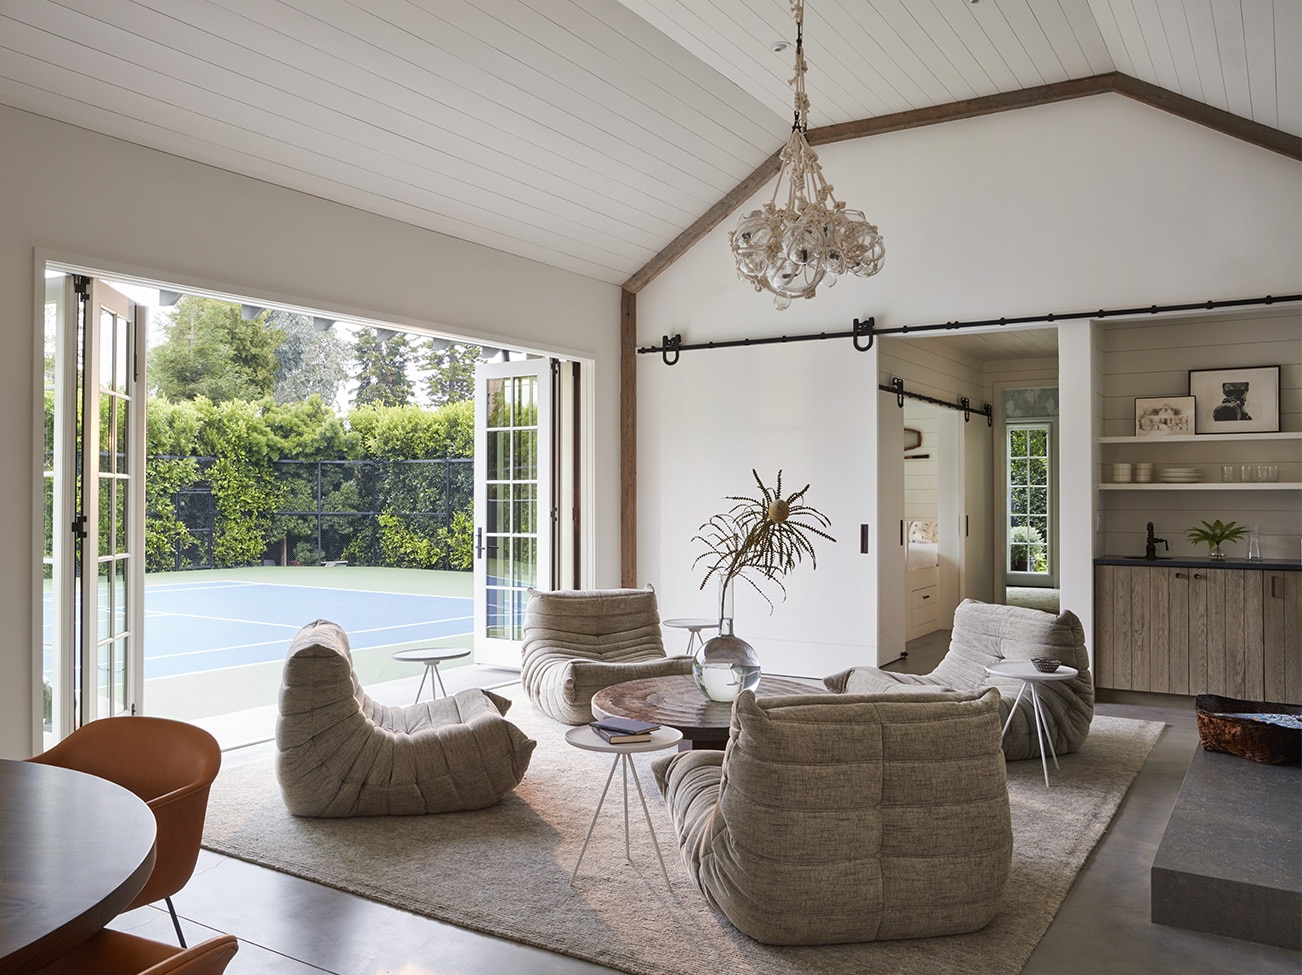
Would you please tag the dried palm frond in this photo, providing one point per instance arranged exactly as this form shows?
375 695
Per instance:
761 539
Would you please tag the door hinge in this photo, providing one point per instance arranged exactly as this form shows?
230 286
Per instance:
81 285
79 527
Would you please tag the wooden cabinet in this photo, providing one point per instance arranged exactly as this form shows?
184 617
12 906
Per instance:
1232 631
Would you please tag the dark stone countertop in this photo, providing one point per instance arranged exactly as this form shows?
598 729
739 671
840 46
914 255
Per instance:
1277 565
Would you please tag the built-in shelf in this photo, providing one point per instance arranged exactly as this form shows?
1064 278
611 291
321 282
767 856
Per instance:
1206 486
1205 438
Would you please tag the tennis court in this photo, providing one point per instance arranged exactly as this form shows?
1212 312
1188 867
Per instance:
213 621
200 622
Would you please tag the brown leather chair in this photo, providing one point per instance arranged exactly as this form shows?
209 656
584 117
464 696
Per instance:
171 766
117 953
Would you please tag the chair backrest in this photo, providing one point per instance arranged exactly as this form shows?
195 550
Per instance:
858 817
170 765
118 953
605 624
985 633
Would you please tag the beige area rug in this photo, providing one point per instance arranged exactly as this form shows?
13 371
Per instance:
506 870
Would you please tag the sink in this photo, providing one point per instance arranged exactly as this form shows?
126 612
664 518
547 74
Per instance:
1145 558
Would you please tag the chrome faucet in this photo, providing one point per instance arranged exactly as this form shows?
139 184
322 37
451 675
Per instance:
1150 545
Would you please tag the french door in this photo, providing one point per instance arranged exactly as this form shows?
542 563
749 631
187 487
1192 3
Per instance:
514 510
94 503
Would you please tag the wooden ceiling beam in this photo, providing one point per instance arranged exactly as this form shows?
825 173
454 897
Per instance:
1153 95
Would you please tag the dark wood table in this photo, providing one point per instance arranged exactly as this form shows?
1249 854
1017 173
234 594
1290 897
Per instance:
678 702
74 850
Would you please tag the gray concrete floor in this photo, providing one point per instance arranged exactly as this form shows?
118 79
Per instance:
293 927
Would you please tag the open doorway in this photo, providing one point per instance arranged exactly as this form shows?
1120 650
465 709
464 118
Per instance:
258 466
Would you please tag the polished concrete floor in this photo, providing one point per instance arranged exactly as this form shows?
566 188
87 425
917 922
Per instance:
293 927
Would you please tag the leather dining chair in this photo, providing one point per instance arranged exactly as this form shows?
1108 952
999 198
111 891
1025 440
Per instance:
118 953
170 765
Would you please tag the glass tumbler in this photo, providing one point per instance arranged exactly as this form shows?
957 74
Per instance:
1248 473
1227 473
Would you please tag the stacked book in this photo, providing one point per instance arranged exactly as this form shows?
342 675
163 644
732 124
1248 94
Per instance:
623 731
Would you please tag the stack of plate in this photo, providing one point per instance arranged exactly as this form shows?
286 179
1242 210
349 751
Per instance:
1181 475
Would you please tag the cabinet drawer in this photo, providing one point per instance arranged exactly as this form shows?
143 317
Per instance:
923 597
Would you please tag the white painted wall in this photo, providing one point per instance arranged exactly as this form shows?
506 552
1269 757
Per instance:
123 208
1099 202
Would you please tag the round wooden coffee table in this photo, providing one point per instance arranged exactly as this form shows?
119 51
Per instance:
678 702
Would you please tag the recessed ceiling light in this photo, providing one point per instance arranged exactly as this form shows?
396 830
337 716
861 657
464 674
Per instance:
777 47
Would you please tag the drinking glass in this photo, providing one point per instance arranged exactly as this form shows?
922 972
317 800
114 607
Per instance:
1227 473
1248 473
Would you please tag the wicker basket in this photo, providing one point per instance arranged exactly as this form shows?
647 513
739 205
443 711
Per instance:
1266 743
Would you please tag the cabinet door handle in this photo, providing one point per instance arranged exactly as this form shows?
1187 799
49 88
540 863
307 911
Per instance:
1181 575
926 597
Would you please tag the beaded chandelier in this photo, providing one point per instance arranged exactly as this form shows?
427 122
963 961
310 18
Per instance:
814 238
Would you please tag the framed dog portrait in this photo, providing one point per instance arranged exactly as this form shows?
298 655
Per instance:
1238 400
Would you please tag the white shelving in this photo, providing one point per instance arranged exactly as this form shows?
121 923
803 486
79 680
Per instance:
1205 486
1205 438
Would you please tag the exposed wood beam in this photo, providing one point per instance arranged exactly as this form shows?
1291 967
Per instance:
628 439
1285 143
1167 101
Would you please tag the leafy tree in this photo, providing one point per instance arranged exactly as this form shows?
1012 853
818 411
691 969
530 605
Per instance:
412 433
382 369
211 351
452 371
309 363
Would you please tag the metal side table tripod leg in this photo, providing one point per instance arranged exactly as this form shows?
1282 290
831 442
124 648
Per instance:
595 814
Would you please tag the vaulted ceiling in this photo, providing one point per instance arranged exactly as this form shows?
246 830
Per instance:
587 134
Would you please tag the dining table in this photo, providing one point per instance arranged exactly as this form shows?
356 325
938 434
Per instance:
75 849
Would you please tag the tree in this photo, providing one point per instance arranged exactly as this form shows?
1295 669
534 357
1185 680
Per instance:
211 351
309 363
452 371
382 369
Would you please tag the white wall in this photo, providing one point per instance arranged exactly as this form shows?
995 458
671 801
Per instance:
128 209
1096 203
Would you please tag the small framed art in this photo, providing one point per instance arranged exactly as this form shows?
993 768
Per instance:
1164 416
1243 399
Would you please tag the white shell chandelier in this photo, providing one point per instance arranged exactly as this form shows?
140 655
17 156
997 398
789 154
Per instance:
814 238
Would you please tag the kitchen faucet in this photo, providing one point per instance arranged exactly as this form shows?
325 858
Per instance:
1150 545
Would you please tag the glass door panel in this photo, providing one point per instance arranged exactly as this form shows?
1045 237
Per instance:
513 507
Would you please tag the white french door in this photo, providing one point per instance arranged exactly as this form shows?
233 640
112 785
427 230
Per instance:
514 506
94 503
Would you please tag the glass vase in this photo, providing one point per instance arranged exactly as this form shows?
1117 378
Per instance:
1217 553
1254 543
727 664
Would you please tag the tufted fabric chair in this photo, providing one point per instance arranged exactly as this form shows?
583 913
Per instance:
832 819
339 753
578 642
986 634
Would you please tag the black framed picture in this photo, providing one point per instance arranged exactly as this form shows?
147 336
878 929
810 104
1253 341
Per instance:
1242 399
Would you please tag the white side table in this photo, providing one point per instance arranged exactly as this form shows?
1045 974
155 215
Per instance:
694 625
431 657
587 739
1025 671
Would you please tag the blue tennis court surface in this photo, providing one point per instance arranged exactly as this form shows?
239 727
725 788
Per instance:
218 623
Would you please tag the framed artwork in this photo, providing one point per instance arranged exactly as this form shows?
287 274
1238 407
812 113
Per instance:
1243 399
1164 416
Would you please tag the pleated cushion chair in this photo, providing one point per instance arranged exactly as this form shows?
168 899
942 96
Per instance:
578 642
339 753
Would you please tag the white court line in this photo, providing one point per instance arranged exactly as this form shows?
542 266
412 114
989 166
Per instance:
225 619
267 643
367 592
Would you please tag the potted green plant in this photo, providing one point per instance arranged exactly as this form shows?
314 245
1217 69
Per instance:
758 540
1213 534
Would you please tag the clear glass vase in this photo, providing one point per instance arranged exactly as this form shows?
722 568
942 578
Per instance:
727 664
1254 543
1217 553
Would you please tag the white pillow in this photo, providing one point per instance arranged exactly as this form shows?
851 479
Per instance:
923 531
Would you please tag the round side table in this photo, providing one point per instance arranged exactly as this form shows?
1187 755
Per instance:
587 739
694 625
1025 671
431 657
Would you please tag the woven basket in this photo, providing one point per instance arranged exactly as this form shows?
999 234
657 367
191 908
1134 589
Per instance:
1266 743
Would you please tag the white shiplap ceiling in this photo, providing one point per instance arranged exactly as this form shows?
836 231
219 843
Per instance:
585 134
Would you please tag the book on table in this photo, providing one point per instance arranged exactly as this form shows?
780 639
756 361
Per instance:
623 731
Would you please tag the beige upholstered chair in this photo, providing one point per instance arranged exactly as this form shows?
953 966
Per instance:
834 819
339 753
578 642
986 634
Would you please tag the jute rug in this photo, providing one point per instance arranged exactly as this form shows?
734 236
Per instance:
506 870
